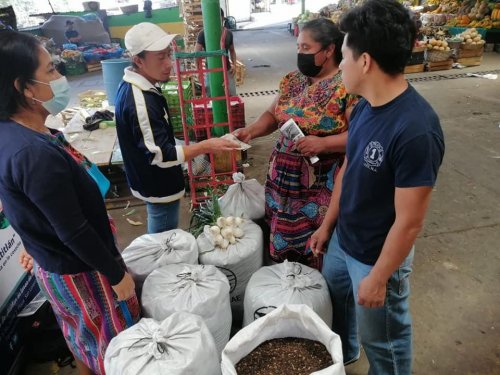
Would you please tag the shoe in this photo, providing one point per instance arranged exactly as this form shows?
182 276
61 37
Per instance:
352 360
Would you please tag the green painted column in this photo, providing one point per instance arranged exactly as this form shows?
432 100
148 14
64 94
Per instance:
212 26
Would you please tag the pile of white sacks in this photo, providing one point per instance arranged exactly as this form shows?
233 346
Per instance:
192 289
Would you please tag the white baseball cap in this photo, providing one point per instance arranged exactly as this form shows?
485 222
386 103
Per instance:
147 36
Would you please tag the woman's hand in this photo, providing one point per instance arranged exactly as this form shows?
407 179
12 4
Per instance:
125 288
310 145
26 261
243 134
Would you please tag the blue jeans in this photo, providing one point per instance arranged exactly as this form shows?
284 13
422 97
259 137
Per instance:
385 332
163 216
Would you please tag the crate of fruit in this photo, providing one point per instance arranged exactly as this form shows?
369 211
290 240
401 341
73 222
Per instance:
75 68
71 56
437 50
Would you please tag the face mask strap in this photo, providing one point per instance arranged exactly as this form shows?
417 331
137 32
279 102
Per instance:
35 100
44 83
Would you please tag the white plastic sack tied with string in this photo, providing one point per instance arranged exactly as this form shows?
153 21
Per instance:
179 345
298 321
152 251
243 199
238 262
286 283
197 289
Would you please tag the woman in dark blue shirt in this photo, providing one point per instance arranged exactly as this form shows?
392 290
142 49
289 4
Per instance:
57 208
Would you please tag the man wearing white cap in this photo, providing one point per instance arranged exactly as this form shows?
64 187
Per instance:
151 158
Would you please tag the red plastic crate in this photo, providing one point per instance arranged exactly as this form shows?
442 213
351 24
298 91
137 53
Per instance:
200 128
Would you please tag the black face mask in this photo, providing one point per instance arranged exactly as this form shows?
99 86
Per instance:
306 65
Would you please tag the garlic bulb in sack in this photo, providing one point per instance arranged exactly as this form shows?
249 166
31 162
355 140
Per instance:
238 261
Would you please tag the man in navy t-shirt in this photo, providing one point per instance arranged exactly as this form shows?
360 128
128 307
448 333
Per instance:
394 150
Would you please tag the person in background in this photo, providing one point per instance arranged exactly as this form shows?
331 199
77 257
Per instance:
231 59
72 35
298 192
151 158
394 151
57 208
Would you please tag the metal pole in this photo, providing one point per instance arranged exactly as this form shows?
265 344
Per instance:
51 7
212 26
303 6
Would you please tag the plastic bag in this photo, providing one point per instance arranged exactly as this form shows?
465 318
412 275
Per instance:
286 283
238 262
152 251
243 198
286 321
197 289
180 344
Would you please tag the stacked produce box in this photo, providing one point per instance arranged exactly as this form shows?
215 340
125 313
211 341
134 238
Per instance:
171 94
193 21
471 48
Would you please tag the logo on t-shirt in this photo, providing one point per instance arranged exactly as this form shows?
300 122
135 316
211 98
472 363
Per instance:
374 156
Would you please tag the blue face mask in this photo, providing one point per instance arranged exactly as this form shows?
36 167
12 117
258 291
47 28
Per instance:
60 100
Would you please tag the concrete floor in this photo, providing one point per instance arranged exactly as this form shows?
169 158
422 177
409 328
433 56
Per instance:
456 280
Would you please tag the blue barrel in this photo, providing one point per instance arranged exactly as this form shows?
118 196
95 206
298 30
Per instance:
112 73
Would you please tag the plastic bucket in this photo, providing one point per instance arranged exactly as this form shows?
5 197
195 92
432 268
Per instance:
112 73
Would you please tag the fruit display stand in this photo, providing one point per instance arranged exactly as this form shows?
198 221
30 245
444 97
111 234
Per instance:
471 49
439 65
416 62
438 55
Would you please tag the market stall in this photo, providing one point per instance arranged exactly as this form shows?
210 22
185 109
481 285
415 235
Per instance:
469 27
452 33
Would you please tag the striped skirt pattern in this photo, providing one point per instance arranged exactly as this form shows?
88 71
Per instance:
87 312
297 198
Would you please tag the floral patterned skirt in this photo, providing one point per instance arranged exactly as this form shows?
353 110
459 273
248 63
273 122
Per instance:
297 198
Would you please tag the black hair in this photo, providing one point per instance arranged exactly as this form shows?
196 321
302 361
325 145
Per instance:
69 22
384 29
325 32
18 60
142 55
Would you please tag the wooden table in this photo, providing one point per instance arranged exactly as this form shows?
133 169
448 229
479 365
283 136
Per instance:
97 145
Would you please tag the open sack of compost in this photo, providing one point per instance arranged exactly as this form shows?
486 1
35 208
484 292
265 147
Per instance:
180 344
286 283
244 198
197 289
286 323
235 246
152 251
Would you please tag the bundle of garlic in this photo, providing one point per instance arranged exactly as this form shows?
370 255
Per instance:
226 231
238 260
